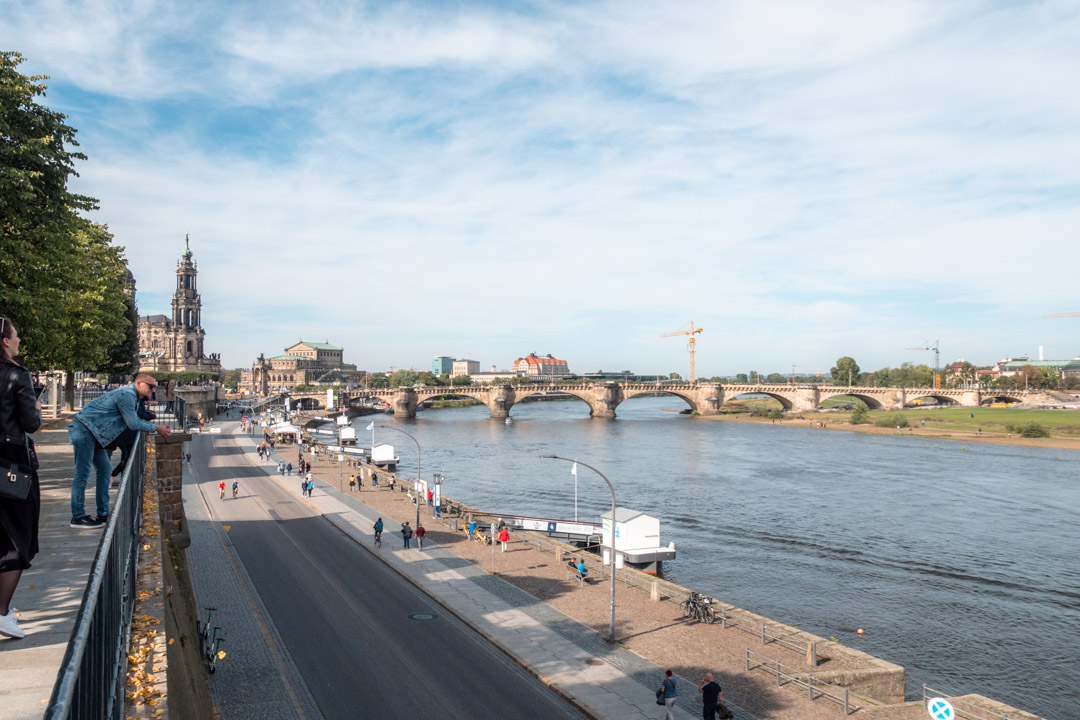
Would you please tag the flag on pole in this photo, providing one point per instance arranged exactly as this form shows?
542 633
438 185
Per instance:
371 425
573 470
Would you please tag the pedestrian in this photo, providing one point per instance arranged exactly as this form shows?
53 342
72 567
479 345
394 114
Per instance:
430 497
668 694
712 699
406 533
189 457
420 533
374 480
504 537
310 481
281 467
92 431
352 483
288 469
20 415
303 485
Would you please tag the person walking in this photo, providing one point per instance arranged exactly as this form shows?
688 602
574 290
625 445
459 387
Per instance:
92 431
352 483
420 533
668 694
281 467
504 537
309 483
712 699
406 533
288 469
20 416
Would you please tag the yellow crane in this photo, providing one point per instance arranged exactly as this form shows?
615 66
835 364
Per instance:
691 332
1061 315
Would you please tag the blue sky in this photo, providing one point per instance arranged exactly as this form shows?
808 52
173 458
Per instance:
803 179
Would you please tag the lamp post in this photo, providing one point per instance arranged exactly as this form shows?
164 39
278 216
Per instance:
611 628
415 489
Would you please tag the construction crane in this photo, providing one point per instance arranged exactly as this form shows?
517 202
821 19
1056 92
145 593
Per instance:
937 359
1062 315
691 332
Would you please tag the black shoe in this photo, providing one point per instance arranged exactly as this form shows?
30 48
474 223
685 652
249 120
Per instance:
103 519
86 523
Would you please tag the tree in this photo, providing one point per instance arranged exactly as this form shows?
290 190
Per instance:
378 381
846 372
1030 377
232 379
404 378
61 279
123 359
859 413
675 376
461 380
775 378
755 377
742 379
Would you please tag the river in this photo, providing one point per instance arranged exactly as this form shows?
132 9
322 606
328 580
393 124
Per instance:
959 561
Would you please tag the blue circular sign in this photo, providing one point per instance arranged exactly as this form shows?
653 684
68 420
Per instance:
940 709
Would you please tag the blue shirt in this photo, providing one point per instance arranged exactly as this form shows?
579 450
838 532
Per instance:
669 688
112 413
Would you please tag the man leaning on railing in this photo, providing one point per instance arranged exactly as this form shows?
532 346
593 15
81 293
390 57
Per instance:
92 431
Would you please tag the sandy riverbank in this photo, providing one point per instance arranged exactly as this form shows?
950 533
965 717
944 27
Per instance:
835 421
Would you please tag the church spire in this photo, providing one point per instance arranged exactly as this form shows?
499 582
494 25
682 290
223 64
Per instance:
187 248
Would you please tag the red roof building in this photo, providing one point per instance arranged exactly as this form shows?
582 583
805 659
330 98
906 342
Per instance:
535 365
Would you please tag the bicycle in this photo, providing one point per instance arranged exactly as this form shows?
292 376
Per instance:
378 539
235 488
699 607
221 489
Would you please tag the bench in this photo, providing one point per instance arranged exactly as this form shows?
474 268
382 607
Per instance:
573 572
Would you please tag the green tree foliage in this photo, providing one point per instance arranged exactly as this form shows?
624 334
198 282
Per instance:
123 358
775 378
846 372
377 381
61 280
461 380
675 376
404 378
231 379
1029 430
755 377
859 413
742 378
894 421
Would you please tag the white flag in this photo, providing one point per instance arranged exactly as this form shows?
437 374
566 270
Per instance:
371 425
573 470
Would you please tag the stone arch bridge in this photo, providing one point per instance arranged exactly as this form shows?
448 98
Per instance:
702 398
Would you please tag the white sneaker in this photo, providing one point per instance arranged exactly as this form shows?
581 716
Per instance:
10 626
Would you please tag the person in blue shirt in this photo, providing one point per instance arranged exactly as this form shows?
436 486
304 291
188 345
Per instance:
667 692
92 431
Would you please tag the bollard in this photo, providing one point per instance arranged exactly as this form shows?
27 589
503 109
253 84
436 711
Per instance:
811 654
655 595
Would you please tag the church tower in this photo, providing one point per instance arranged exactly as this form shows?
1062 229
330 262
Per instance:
176 344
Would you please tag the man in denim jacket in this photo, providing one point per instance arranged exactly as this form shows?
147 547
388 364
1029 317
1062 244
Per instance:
92 431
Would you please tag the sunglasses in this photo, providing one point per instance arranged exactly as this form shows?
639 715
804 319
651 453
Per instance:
149 385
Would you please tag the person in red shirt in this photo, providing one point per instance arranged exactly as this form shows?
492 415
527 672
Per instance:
420 533
504 537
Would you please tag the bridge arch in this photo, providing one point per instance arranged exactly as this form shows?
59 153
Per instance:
785 403
522 392
871 402
940 399
993 396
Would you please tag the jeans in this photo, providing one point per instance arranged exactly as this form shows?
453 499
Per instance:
669 703
88 454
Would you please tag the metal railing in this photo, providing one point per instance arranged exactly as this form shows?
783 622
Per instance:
170 412
962 709
91 680
814 688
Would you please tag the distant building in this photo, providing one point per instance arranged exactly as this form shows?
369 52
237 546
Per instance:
176 344
1067 369
305 363
465 367
537 366
442 365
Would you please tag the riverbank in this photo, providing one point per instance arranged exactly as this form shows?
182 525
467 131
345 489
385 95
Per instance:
657 630
962 432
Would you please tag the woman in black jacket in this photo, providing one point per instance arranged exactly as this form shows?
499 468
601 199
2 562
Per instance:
20 415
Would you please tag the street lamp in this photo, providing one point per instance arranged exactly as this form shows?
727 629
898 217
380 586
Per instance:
611 628
415 488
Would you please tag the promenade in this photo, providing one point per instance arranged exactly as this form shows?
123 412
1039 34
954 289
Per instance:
550 626
50 592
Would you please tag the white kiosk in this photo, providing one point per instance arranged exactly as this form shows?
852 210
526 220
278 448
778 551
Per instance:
637 541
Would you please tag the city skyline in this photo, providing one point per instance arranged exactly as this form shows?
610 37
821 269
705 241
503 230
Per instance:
803 180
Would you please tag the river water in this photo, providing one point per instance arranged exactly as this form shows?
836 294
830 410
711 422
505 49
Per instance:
960 561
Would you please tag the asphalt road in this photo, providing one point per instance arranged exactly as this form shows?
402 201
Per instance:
365 641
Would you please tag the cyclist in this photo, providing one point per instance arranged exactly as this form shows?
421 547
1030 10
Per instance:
378 531
235 487
221 490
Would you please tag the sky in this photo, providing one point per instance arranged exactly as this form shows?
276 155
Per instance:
804 180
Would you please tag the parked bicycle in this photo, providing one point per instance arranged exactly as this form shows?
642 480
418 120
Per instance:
699 607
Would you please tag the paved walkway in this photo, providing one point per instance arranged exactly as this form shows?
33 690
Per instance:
567 655
50 592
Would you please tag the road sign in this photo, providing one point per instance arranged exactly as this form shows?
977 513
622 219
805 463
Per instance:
940 709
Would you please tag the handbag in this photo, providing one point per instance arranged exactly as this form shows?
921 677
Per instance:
15 479
660 696
724 712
